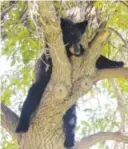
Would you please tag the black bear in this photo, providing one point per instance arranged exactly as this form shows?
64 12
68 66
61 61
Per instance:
72 34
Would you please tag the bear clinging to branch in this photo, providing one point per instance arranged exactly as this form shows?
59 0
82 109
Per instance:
72 34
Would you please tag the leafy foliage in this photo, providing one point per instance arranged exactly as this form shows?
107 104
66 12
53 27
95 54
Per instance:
7 142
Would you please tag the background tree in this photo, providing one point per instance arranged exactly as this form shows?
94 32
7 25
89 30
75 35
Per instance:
24 26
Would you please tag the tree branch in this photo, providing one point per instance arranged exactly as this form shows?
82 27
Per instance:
52 30
101 136
95 47
84 71
115 31
85 65
123 2
112 73
9 121
121 108
84 84
11 5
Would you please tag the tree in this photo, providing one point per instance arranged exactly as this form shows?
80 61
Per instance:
70 80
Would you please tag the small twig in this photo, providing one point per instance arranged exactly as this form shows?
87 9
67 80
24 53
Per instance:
112 45
115 31
24 15
6 10
121 108
123 2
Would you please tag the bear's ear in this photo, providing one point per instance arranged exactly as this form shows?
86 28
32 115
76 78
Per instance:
62 21
82 26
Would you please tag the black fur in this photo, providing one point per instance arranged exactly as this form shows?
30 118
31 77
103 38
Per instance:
69 124
35 93
103 62
71 36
